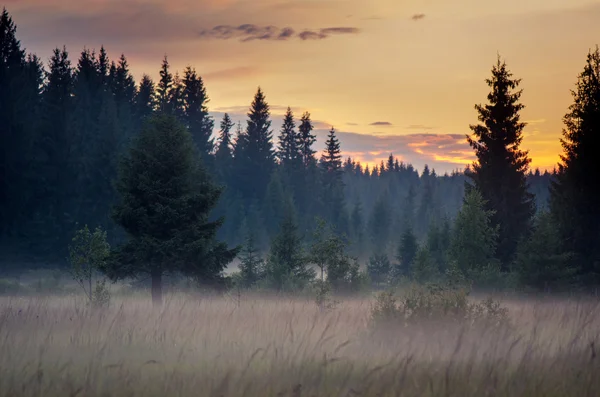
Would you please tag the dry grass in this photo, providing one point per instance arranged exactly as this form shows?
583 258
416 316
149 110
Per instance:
276 347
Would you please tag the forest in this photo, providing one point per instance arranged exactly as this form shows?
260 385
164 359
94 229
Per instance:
83 146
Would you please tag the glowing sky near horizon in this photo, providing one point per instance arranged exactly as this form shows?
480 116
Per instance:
391 76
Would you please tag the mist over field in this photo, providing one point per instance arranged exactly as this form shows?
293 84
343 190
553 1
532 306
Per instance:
148 248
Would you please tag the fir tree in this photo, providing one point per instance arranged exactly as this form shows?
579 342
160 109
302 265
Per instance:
195 114
251 265
165 85
223 155
166 200
379 225
145 99
474 237
287 263
307 139
541 262
254 157
407 251
423 268
575 192
500 170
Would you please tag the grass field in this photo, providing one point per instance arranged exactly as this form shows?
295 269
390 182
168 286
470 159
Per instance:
216 346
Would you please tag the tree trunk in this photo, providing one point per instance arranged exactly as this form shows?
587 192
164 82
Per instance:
156 288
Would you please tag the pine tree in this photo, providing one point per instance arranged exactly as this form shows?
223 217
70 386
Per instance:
575 192
287 150
379 225
407 251
541 262
196 116
332 185
175 101
254 157
423 268
223 155
500 170
251 264
307 139
166 200
474 237
145 100
164 86
287 265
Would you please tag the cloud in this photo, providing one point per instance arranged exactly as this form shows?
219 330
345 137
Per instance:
351 123
417 17
250 32
419 127
232 74
382 124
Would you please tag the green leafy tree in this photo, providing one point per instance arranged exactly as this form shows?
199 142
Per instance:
541 260
165 205
574 192
474 238
88 254
500 170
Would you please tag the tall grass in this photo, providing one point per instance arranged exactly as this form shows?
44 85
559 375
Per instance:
260 346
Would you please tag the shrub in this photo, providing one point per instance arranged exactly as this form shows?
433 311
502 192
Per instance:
436 303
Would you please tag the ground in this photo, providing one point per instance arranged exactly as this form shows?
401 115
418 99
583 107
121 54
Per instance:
265 346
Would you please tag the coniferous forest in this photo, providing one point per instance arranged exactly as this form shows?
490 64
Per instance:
84 144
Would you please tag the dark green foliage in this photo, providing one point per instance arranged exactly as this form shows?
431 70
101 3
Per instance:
500 170
287 265
195 114
254 157
165 85
380 225
145 99
166 200
407 252
541 260
252 266
307 139
575 193
474 237
379 268
423 268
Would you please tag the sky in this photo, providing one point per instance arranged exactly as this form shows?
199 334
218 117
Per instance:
391 76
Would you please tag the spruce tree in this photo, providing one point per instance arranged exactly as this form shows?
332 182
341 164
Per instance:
175 101
500 170
196 116
165 85
575 192
332 184
307 139
254 156
541 261
406 253
223 155
251 264
474 238
380 225
165 204
145 100
287 264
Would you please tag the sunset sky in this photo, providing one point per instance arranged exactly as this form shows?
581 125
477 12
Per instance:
392 76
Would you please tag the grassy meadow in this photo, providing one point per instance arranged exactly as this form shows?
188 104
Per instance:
265 346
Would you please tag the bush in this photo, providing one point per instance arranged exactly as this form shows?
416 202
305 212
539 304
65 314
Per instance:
436 303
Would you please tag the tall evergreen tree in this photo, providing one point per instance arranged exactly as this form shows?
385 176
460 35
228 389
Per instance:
575 192
165 85
223 155
500 170
254 157
332 185
196 116
307 139
474 238
166 200
145 100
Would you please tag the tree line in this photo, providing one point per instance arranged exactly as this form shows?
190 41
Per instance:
66 130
